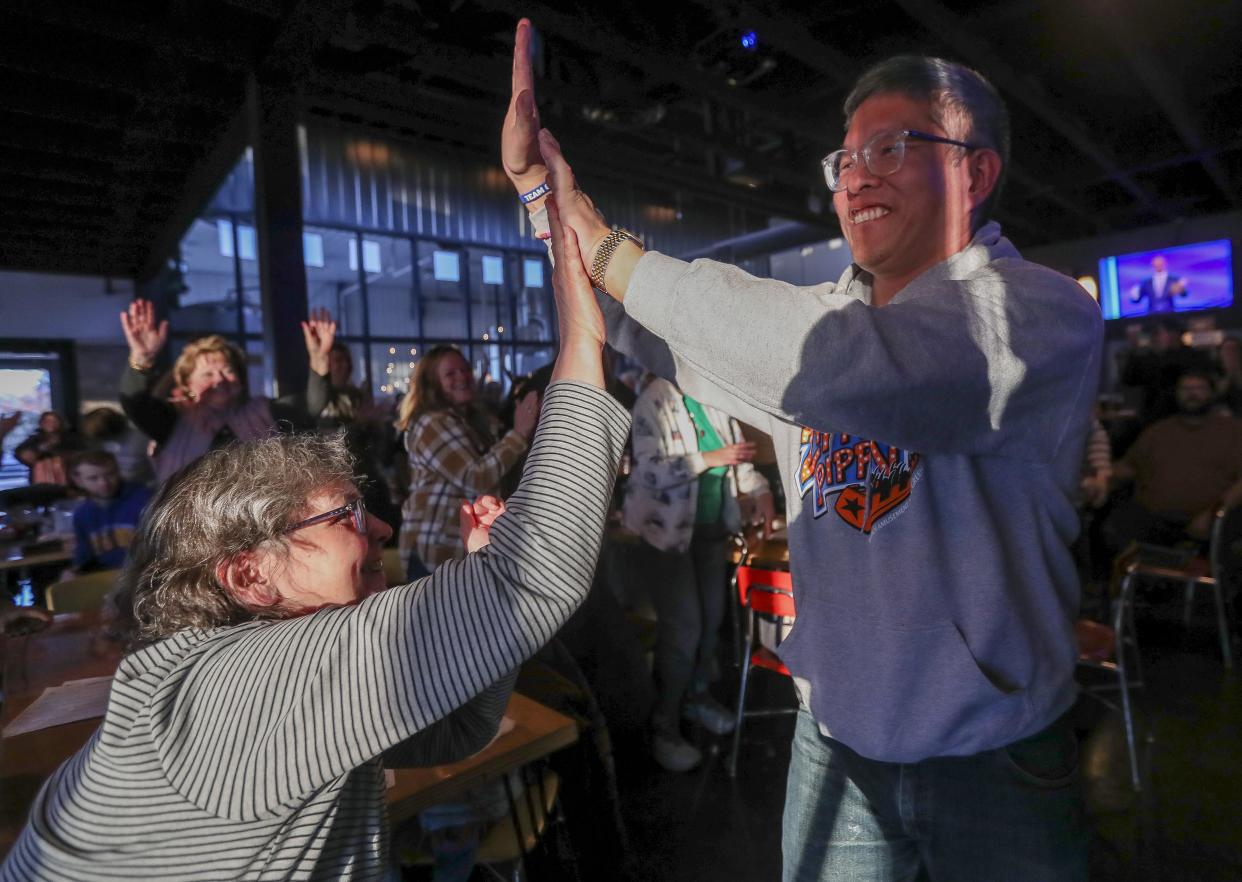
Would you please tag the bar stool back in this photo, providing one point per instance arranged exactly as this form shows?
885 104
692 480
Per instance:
769 594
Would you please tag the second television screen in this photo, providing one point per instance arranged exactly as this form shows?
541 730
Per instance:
1180 279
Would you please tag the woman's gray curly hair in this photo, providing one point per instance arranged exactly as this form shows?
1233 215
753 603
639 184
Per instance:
234 499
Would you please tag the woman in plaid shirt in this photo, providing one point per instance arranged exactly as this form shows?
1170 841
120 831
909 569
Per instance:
457 451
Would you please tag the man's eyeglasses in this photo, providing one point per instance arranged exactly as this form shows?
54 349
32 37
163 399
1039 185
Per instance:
883 155
356 508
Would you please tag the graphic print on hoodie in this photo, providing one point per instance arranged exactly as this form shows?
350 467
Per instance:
861 480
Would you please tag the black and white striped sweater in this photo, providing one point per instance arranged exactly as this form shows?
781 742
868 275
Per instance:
256 752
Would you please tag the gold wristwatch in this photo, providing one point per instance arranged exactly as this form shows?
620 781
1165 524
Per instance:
604 253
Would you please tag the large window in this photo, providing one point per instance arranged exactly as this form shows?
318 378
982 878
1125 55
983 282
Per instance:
393 297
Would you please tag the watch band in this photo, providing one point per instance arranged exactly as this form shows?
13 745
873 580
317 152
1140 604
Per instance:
603 255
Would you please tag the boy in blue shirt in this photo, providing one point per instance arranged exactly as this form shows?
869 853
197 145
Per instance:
105 522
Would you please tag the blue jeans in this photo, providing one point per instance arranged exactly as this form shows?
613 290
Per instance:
1013 814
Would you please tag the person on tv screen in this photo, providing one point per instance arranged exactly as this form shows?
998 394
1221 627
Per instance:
1159 288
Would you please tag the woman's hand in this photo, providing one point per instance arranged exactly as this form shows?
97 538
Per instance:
526 415
730 455
577 210
519 142
144 336
582 334
320 333
476 521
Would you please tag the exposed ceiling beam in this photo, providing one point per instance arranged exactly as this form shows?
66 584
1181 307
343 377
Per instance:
595 35
90 19
18 52
302 31
1166 91
591 151
199 183
792 38
668 135
839 70
954 31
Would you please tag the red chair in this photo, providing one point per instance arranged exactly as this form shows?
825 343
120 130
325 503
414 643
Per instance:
769 594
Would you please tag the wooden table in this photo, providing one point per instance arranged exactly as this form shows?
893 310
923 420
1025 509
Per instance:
66 650
12 557
537 732
70 650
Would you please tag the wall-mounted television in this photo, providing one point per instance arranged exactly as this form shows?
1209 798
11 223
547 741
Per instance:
1179 279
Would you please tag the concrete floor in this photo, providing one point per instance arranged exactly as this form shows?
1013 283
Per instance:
1186 824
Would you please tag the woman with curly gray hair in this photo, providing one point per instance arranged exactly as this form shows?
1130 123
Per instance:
246 737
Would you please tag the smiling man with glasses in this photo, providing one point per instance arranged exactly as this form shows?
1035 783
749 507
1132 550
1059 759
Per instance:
929 411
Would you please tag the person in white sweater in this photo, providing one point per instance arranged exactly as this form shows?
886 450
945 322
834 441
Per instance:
691 462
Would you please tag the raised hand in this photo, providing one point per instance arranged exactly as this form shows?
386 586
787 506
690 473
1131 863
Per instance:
320 333
519 142
144 336
577 210
476 520
729 455
526 414
581 324
9 421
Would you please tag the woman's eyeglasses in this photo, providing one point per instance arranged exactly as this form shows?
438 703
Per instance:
356 508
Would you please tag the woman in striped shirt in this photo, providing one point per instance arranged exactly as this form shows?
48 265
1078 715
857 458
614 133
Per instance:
247 738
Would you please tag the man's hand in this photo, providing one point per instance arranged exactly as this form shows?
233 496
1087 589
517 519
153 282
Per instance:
765 511
319 333
1094 489
476 521
145 337
519 142
729 455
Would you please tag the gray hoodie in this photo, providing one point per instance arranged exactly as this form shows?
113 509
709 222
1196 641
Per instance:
930 452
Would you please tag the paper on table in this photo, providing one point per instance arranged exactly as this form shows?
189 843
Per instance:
67 703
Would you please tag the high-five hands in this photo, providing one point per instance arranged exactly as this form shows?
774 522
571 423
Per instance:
531 155
519 145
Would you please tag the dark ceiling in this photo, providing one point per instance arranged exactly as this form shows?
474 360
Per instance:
117 120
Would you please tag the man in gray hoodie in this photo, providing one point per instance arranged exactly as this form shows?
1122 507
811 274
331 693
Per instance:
929 411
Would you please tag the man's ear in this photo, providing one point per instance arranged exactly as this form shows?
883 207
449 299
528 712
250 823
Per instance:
246 580
985 170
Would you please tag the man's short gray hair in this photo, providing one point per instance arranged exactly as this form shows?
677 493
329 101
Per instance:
238 498
962 102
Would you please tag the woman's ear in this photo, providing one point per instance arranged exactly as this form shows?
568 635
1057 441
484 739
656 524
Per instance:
246 580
